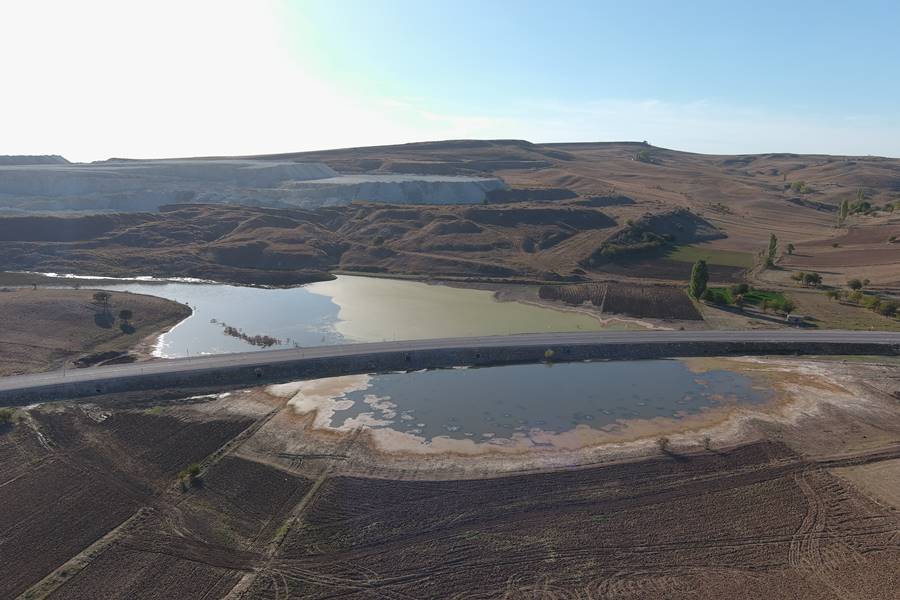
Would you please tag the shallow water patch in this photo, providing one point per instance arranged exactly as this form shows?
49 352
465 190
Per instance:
518 402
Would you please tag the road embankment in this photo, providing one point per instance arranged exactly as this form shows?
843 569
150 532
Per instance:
264 367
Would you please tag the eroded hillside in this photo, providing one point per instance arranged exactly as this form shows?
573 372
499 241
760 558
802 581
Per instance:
572 211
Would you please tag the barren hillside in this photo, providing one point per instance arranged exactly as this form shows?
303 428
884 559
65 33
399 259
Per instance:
574 211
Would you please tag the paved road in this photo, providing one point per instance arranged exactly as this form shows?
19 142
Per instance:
224 362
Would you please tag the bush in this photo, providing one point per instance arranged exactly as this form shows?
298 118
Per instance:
872 302
190 476
739 289
6 415
888 308
854 284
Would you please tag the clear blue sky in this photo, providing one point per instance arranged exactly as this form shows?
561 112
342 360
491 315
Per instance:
830 58
219 77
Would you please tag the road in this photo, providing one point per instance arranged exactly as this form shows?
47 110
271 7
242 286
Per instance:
272 358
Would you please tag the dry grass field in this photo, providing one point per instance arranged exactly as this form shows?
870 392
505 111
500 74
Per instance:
45 328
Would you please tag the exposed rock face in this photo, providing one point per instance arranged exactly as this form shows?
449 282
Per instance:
146 185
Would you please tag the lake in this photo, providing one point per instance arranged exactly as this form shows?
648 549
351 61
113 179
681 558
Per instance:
347 309
521 400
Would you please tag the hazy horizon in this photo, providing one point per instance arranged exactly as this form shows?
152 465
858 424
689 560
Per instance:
101 79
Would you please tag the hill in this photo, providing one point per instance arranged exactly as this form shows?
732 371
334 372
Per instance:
571 211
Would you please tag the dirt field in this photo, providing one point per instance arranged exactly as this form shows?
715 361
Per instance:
71 476
650 301
789 505
45 328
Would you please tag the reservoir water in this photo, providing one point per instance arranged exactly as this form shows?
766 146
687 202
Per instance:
510 401
347 309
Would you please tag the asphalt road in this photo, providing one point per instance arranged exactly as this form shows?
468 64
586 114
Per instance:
273 357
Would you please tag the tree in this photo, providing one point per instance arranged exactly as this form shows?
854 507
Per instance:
788 306
843 211
102 298
813 279
790 248
739 301
189 476
764 305
699 279
126 314
739 288
663 444
773 249
6 415
854 284
832 294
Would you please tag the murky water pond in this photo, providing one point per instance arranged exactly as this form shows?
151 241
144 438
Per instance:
521 400
348 309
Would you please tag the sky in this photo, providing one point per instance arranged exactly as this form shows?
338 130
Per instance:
94 79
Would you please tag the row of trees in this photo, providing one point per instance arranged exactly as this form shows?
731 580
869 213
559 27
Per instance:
886 307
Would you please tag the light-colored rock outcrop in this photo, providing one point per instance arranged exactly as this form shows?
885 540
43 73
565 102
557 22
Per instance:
146 185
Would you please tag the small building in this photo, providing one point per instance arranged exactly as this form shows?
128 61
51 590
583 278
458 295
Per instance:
794 319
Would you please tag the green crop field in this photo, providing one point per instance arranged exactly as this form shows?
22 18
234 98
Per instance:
757 296
724 295
725 258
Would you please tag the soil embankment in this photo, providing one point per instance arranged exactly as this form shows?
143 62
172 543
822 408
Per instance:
46 328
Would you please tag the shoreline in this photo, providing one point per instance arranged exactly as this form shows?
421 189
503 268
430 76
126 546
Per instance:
803 390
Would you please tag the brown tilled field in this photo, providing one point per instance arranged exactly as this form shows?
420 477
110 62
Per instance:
752 522
634 300
93 507
70 477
